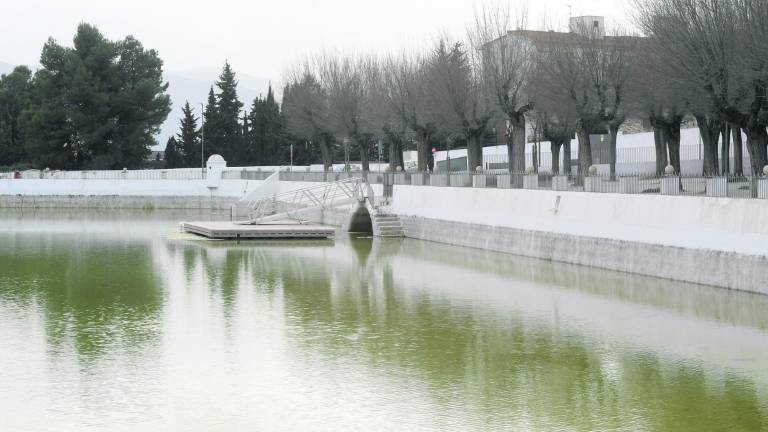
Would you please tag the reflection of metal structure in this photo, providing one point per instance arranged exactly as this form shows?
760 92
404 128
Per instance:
300 202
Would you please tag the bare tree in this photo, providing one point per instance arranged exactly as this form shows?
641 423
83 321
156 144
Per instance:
592 72
305 108
388 126
506 60
343 80
407 87
662 102
562 72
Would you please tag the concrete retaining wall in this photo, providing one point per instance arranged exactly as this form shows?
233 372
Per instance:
708 267
147 188
713 241
116 202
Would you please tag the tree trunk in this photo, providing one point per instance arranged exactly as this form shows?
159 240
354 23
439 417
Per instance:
672 135
585 151
474 151
362 145
710 131
725 150
325 153
567 156
516 147
660 143
422 151
738 151
556 144
756 141
613 130
395 152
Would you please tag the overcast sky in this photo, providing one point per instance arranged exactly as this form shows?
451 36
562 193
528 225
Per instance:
259 37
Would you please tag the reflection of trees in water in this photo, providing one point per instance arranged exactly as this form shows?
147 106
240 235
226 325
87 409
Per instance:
501 369
97 295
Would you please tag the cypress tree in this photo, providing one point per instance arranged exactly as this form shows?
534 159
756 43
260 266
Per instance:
189 138
255 138
229 107
274 143
211 129
245 139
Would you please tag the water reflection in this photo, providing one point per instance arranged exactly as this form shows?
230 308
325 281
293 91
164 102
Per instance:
97 295
358 334
491 368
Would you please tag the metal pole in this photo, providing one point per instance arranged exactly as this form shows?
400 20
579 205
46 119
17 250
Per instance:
291 155
448 156
202 138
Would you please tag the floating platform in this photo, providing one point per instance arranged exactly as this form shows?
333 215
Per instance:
275 230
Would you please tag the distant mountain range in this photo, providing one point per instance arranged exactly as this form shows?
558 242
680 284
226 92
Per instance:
192 85
5 68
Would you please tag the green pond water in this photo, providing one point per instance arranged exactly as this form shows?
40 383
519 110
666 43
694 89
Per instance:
107 324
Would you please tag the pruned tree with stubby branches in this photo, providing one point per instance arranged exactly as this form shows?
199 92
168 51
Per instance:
592 72
719 48
506 61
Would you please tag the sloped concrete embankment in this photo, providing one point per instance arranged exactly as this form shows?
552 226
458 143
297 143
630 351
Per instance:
712 241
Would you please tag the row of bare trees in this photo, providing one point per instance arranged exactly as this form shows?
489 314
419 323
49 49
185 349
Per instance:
702 58
712 60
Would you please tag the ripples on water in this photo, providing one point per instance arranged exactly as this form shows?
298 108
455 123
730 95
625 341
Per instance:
107 325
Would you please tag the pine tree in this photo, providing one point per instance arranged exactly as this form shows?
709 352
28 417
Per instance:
173 156
189 138
96 105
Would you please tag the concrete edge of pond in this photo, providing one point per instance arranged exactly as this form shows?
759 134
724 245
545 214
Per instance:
707 267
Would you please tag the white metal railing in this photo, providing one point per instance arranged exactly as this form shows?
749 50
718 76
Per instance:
295 203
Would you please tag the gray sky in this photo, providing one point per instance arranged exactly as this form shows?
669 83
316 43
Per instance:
259 37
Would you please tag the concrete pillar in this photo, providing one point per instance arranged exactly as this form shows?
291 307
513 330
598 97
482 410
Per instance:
461 180
479 181
592 183
531 181
417 179
560 183
438 179
629 185
670 185
762 188
717 187
504 181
